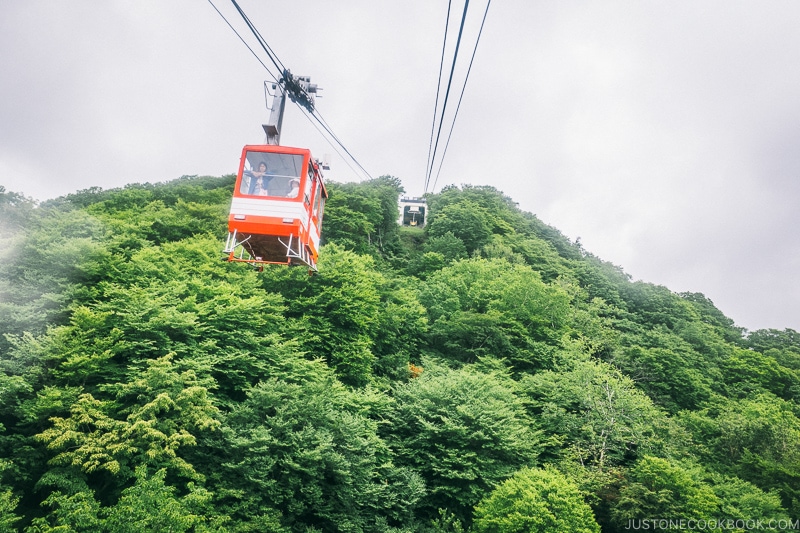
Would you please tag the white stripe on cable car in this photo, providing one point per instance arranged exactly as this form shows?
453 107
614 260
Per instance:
269 208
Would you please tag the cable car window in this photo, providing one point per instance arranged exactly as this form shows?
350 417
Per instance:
321 207
309 184
271 174
317 200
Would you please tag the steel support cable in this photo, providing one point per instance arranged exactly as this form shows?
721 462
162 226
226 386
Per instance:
447 92
323 134
264 44
463 88
260 39
276 78
316 114
438 88
296 93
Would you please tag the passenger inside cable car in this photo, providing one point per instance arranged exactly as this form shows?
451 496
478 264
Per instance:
257 181
270 174
295 188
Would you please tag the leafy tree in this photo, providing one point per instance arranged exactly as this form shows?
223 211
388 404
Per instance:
705 339
387 189
148 505
535 500
15 212
448 245
750 371
656 305
501 211
539 254
308 449
446 522
151 505
359 320
7 505
77 512
742 500
425 264
661 488
600 279
436 253
463 431
783 346
339 311
757 439
592 324
672 373
179 298
164 409
478 307
709 314
401 330
56 261
514 235
598 414
764 339
466 220
350 217
363 216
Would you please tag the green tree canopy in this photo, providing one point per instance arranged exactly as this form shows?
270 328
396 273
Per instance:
535 501
463 431
483 307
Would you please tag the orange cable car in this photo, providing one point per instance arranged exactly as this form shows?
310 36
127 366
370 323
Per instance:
277 206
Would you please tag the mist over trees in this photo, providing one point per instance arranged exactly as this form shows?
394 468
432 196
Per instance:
482 374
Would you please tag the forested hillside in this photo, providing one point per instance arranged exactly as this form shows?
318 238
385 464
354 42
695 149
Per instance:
483 374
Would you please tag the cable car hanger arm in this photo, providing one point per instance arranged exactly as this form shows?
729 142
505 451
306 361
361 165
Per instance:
300 90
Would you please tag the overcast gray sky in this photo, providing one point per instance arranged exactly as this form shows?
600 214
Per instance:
664 135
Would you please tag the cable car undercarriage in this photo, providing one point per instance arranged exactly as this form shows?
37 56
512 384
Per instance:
268 250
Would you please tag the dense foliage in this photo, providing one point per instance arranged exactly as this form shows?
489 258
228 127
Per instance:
483 373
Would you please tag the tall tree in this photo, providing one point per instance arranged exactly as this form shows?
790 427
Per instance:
463 431
478 307
535 500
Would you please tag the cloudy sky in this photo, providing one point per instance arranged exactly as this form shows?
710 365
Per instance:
664 135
